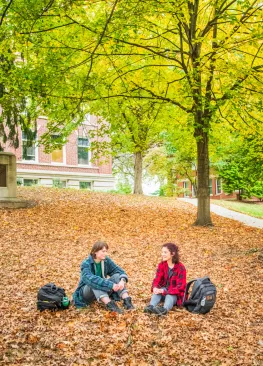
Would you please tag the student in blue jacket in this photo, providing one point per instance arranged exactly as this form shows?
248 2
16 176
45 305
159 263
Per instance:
101 279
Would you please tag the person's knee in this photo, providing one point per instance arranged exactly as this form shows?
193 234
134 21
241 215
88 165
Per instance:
115 278
171 299
87 294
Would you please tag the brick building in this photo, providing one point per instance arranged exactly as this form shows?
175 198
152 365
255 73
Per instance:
215 188
70 166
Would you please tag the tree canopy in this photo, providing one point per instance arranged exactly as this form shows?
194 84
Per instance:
203 57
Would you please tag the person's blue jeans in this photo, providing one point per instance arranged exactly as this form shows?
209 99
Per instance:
169 300
89 294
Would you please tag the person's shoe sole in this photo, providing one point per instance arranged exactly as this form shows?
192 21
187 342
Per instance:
148 311
160 313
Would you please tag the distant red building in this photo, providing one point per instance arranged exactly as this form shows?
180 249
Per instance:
70 166
215 188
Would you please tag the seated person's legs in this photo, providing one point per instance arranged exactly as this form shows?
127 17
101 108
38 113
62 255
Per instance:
169 302
123 293
116 279
89 295
155 300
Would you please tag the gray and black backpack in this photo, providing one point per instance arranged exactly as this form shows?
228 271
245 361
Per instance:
202 296
50 297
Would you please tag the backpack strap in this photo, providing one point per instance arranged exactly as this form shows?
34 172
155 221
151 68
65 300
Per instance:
191 302
53 287
187 289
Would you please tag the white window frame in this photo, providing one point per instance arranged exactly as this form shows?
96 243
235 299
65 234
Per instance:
211 194
36 150
87 181
22 179
63 152
89 152
185 182
219 180
61 180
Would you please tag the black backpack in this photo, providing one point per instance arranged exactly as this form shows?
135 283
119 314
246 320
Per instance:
202 297
50 297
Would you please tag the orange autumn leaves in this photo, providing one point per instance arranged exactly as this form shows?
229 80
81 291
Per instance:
48 242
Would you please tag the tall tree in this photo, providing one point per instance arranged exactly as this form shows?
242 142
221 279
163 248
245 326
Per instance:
202 56
133 127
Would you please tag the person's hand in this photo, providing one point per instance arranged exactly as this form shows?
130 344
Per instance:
116 287
121 284
156 291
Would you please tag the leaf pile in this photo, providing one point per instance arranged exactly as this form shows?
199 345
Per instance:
47 243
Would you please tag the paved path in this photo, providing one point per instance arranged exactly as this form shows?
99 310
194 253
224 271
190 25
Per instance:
225 212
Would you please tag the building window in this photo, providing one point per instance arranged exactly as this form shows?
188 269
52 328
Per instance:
210 187
218 186
58 183
26 182
28 146
85 185
186 188
83 151
57 155
30 182
19 181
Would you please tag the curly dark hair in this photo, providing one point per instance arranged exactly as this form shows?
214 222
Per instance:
173 249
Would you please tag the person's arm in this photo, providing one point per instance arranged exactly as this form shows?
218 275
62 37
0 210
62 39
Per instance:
178 285
94 281
158 277
113 268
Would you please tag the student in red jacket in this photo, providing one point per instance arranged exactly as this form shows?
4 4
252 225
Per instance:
169 283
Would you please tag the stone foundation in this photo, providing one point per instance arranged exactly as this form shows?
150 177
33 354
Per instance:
8 183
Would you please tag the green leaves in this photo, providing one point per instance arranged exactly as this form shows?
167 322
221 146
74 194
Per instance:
242 168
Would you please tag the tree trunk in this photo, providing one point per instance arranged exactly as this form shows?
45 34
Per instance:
203 196
137 173
170 184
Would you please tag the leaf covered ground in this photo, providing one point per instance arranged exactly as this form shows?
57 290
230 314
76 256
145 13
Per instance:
47 243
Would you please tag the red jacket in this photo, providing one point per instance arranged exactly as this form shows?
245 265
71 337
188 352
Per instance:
175 285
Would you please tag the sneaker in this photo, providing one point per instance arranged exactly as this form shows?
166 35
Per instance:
148 309
159 310
127 303
112 306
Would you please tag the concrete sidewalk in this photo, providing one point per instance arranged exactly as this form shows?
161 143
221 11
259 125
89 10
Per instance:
221 211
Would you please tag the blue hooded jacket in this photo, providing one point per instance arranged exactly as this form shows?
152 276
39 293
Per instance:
88 277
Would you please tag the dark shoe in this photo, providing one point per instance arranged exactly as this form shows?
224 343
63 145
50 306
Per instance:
127 303
159 310
148 309
112 306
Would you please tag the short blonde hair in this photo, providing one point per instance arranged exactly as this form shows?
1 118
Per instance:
97 247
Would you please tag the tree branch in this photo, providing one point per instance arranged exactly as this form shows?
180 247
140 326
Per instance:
5 11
